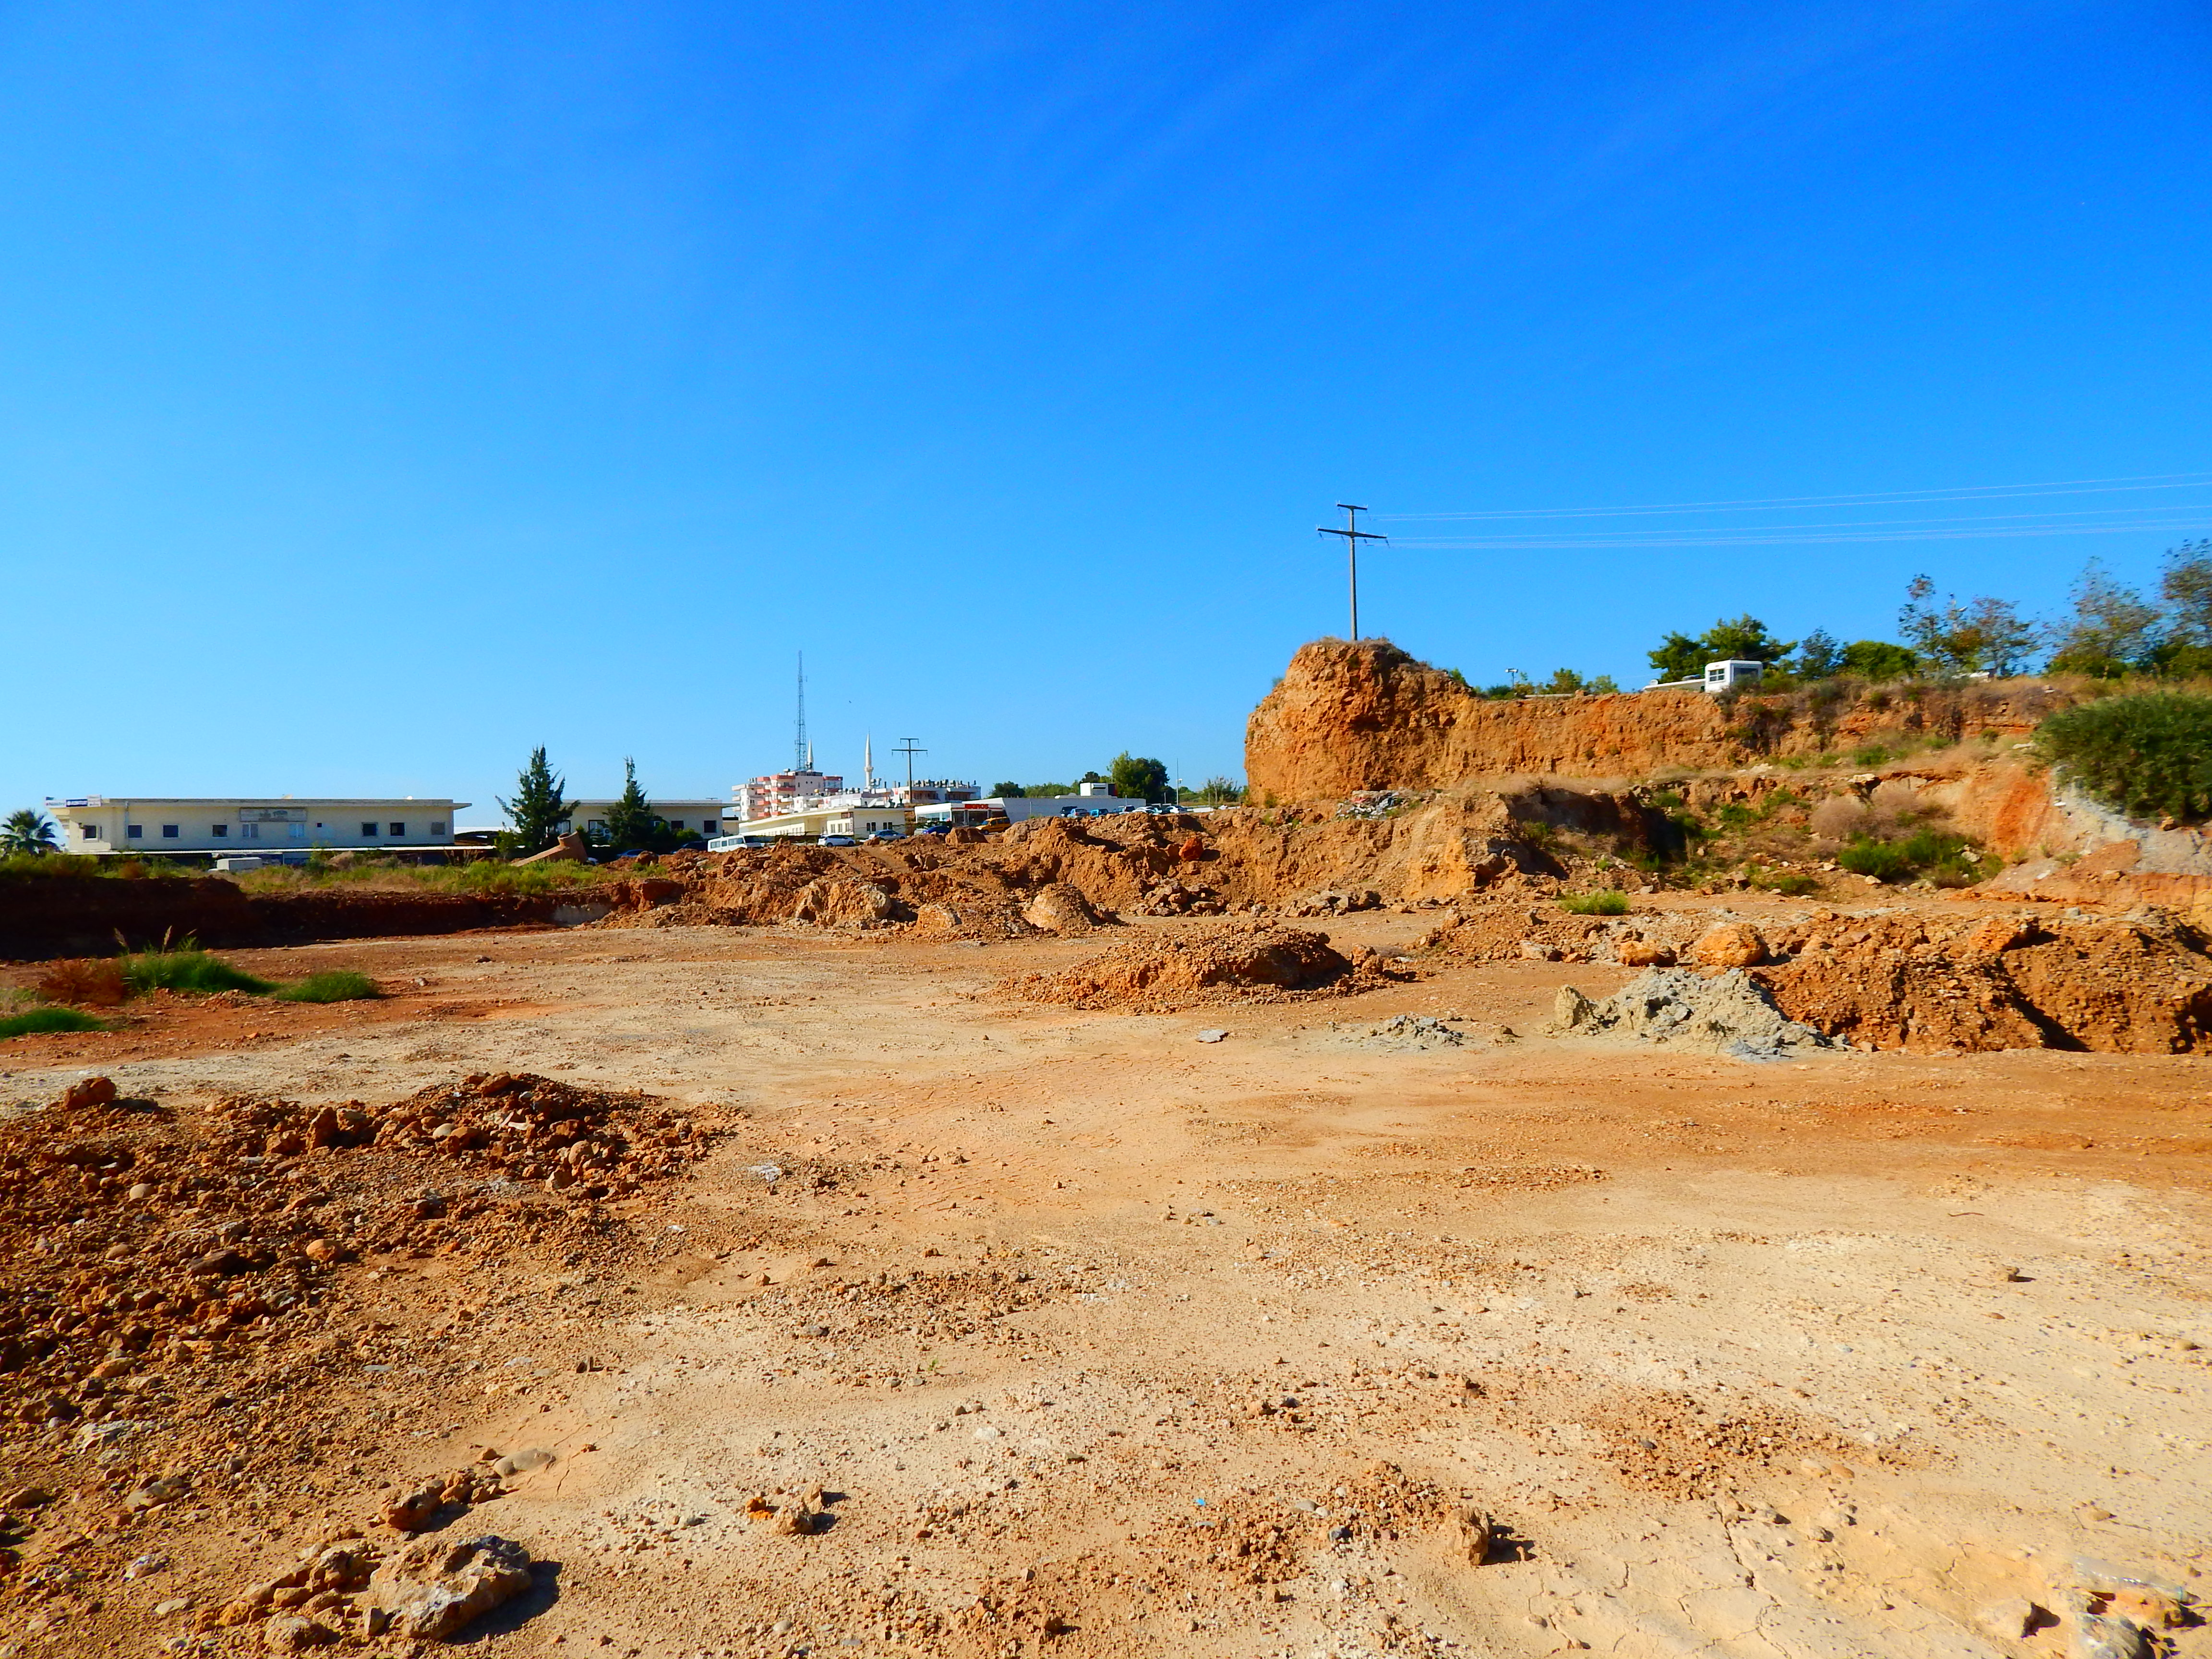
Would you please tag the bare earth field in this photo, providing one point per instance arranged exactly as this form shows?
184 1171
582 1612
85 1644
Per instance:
1099 1339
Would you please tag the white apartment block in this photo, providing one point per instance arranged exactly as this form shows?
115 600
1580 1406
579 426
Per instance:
264 824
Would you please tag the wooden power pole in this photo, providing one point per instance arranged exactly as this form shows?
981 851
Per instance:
1353 535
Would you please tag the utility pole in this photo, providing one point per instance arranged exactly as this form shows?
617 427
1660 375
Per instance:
907 748
1353 535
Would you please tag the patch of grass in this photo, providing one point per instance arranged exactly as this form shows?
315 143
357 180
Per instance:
333 985
187 970
49 1020
1610 902
2150 756
1867 759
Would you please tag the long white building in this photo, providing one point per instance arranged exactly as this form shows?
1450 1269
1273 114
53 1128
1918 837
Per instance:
257 824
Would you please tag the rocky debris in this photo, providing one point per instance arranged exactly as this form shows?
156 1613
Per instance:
435 1587
141 1245
1372 803
1410 1034
1732 944
294 1603
1330 902
1728 1014
1060 908
2141 984
412 1511
1180 899
583 1143
1254 962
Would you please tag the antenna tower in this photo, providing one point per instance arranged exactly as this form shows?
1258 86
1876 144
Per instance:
799 746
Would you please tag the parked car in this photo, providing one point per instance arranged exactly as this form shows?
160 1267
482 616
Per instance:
839 841
887 835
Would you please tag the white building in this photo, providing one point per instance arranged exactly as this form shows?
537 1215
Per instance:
1089 798
780 792
702 818
266 823
1730 674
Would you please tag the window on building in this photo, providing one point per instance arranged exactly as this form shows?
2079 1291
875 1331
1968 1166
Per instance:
169 832
399 829
369 830
597 826
134 831
92 832
437 826
249 832
218 830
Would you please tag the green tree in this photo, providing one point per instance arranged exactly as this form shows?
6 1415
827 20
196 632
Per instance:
1820 656
1983 635
632 825
1219 791
2186 587
2113 629
27 831
537 807
1008 792
1746 639
1678 658
1880 660
2186 647
1135 778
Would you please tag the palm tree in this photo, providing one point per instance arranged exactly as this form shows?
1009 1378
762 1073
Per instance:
27 831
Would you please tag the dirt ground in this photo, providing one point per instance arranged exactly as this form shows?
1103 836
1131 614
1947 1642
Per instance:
1102 1340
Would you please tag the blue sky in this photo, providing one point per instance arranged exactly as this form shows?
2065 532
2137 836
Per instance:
386 389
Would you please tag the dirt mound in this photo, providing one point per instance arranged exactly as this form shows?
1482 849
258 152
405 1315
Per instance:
1726 1013
2138 984
1257 963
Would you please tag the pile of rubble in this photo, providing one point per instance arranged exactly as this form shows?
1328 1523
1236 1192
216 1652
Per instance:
1727 1013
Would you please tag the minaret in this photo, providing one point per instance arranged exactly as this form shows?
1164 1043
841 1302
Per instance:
868 761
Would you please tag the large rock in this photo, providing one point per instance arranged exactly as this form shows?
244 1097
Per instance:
435 1586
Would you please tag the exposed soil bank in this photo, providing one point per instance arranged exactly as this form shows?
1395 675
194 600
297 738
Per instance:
85 915
1348 717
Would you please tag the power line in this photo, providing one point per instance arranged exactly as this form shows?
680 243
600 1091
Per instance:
1752 538
909 749
1891 497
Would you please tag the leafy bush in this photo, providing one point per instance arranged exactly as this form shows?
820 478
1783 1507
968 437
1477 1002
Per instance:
333 985
1935 854
186 970
48 1019
1884 860
2148 755
1611 902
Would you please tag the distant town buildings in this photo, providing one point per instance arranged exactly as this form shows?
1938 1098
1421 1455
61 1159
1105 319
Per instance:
702 818
265 823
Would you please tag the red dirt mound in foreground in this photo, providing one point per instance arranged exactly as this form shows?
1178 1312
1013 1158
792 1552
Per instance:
1253 963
